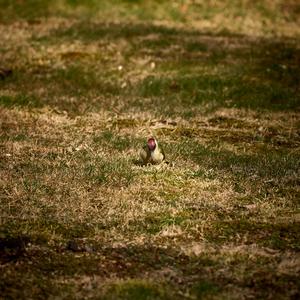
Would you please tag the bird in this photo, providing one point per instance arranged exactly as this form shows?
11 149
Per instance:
151 153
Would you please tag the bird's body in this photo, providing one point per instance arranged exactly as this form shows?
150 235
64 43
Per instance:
152 153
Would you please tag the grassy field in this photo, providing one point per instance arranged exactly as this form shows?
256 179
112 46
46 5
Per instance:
82 86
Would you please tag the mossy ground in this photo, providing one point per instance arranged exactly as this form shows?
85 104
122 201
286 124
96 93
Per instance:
84 83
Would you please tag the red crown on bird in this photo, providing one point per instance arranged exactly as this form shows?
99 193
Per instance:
151 143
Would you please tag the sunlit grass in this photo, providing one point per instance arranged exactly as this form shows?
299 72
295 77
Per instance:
82 86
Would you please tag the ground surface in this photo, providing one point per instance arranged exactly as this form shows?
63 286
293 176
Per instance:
84 83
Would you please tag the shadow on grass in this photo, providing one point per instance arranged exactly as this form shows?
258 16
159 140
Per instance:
260 73
127 267
29 10
194 70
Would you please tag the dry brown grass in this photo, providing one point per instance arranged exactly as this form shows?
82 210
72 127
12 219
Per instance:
80 218
49 197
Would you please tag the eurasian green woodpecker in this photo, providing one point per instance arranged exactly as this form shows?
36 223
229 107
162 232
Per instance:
151 153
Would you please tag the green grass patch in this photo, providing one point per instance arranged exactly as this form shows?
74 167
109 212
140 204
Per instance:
275 164
113 173
16 138
111 139
204 289
154 223
29 10
274 235
76 80
223 91
135 290
48 228
21 100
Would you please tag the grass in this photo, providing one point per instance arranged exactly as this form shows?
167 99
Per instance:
83 84
134 290
20 100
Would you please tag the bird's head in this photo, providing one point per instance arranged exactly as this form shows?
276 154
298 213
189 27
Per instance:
151 143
